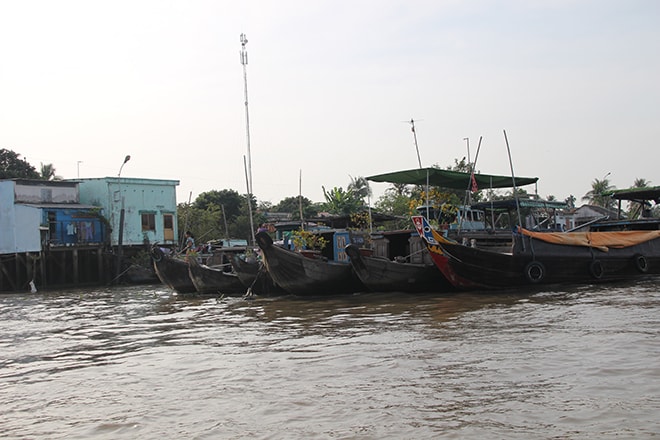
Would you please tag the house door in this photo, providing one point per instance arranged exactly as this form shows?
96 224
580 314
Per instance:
168 227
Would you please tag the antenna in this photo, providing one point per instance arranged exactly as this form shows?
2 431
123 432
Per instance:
412 127
244 62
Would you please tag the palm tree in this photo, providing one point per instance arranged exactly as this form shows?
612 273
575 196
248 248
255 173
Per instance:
641 183
570 201
596 196
360 188
635 208
48 172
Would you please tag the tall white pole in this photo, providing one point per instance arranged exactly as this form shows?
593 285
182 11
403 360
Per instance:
244 62
248 165
249 203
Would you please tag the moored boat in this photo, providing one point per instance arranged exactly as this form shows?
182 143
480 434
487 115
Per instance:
401 263
253 275
172 271
307 275
214 279
559 257
608 250
432 239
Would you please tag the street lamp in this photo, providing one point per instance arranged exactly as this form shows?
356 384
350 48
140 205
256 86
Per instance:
126 159
121 221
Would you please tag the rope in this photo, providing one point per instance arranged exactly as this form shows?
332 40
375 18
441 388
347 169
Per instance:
119 276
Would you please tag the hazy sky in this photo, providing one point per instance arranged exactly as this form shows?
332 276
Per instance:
575 84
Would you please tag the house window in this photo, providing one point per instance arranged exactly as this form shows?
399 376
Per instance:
168 221
148 221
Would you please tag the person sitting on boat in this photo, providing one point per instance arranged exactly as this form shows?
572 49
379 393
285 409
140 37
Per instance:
189 244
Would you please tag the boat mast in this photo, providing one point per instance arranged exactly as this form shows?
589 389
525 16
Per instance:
300 208
248 165
249 201
419 161
412 127
515 189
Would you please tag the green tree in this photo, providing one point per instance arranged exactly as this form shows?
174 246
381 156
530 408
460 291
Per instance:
570 201
641 183
359 187
635 208
227 200
205 224
597 195
460 165
12 167
292 205
48 172
340 201
218 214
396 202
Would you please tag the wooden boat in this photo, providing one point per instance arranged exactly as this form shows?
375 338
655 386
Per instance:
214 279
607 250
559 257
432 239
254 276
382 274
302 275
172 271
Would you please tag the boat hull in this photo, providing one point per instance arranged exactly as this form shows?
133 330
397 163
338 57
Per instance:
207 279
304 276
546 263
255 277
432 239
172 272
380 274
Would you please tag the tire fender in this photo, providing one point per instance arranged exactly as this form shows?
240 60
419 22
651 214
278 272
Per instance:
534 271
641 264
596 269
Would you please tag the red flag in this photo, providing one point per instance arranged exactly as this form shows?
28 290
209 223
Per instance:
475 188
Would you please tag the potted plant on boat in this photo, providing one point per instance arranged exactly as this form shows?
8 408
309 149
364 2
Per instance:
308 243
361 236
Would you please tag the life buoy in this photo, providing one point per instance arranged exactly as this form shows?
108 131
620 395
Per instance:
596 269
534 271
640 263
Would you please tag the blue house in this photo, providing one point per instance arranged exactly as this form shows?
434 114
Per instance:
37 214
47 237
149 208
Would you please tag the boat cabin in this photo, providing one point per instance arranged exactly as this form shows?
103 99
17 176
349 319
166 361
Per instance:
451 217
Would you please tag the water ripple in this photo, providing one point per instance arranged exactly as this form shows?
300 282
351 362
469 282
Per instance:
139 362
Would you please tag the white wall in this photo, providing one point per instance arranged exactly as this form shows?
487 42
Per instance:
19 224
48 192
28 236
7 218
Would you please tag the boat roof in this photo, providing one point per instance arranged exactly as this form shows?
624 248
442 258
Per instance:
636 194
450 179
503 205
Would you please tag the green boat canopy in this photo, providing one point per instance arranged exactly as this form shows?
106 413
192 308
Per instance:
511 204
450 179
636 194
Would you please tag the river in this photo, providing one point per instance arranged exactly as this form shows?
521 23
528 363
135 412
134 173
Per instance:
141 362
